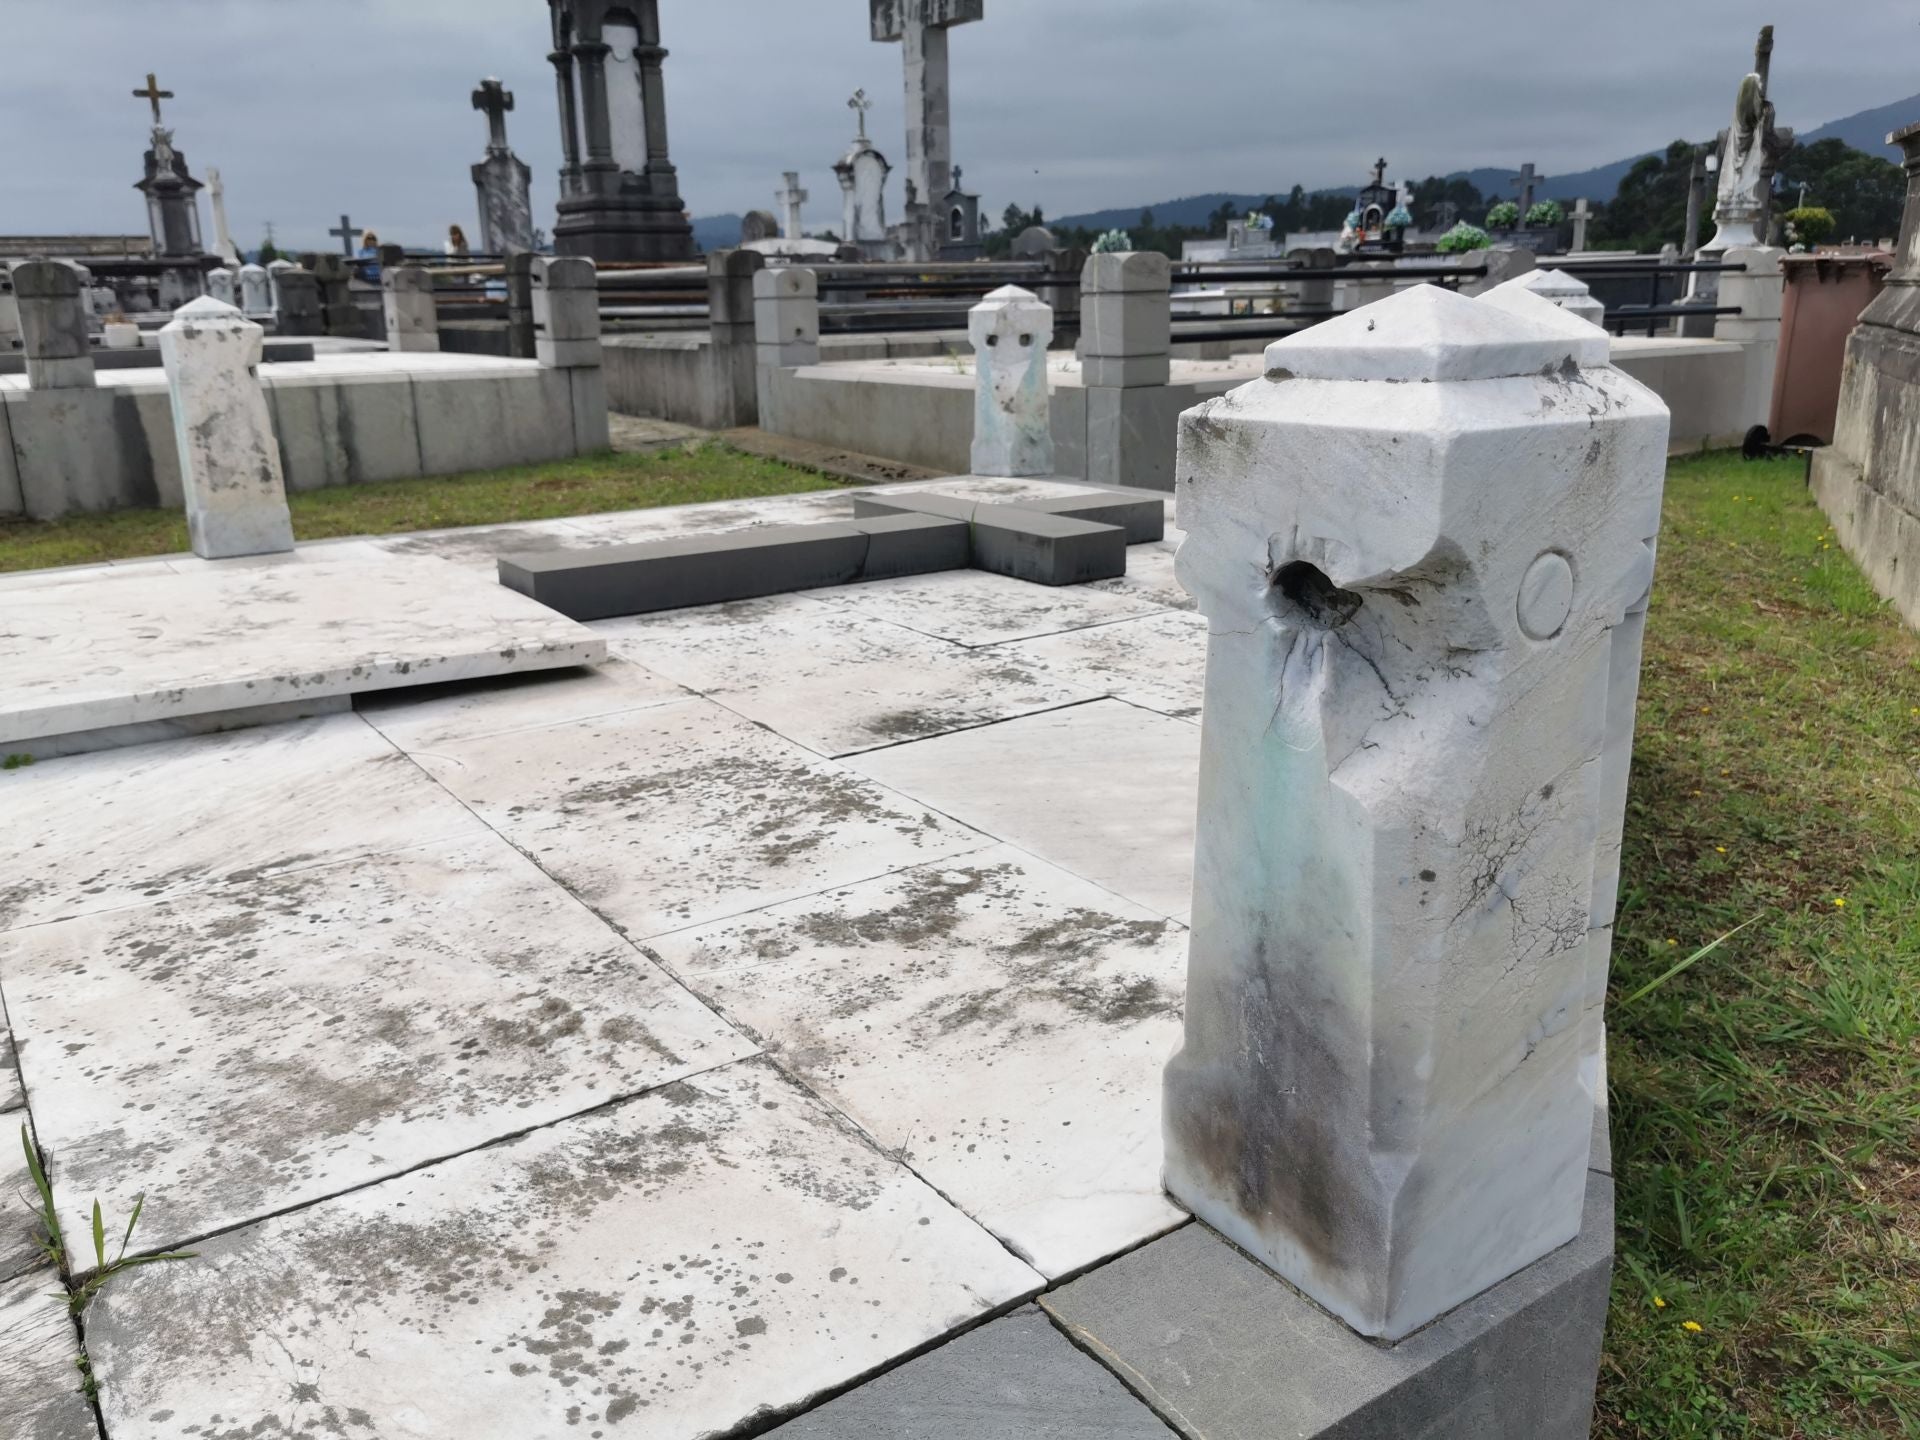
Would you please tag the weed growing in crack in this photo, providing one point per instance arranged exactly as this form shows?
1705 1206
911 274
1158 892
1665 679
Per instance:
83 1285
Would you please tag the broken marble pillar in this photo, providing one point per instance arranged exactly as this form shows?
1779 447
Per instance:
229 461
1423 543
1012 424
406 298
256 294
1559 288
53 326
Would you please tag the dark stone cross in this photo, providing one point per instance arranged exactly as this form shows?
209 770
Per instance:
496 100
153 95
347 235
1380 171
1525 182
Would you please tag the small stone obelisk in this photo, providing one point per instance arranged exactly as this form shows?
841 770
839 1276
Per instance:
229 460
1419 711
1012 423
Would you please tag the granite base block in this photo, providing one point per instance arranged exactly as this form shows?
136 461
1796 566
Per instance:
613 580
1142 514
1224 1350
1014 1379
1046 549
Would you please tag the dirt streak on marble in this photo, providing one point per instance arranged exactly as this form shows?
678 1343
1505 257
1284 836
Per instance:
92 654
1105 791
679 814
993 1020
974 608
234 1053
835 680
119 827
672 1267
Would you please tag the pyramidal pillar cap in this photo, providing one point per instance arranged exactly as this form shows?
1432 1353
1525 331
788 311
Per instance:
1425 333
1593 347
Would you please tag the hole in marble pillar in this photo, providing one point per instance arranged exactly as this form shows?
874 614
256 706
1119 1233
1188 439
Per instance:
993 340
1025 340
1303 594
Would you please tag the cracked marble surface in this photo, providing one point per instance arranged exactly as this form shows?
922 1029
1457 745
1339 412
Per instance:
997 1023
1158 662
679 814
674 1266
87 656
235 1052
431 715
118 827
837 681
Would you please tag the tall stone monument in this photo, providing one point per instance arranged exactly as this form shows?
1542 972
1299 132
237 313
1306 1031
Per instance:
1868 480
790 198
217 202
230 470
1012 420
862 173
619 193
920 28
1750 151
504 181
1418 720
173 204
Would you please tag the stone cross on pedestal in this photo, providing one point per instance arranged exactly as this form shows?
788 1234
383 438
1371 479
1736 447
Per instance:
860 104
1581 217
153 95
347 234
496 100
1417 727
790 197
1525 182
921 27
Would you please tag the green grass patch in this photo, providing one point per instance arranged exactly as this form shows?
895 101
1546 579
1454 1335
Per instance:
1766 1100
589 485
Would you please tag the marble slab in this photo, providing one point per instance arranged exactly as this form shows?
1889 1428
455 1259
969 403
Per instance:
234 1053
1105 790
90 654
971 607
835 680
40 1396
674 1267
431 715
477 547
1158 661
19 1230
119 827
1149 578
680 814
995 1022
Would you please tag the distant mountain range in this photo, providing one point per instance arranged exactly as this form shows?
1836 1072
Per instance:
1868 131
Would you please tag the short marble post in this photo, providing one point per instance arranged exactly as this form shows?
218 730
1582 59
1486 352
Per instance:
1126 351
229 461
220 284
10 341
1759 291
53 326
730 394
1559 288
1423 544
256 293
786 317
1012 422
406 299
298 310
566 310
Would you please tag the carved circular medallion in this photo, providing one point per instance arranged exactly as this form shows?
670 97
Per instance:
1546 596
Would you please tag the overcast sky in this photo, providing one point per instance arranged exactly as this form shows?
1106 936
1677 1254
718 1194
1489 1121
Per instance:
311 107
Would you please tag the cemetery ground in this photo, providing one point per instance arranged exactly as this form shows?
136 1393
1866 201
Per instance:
1765 1097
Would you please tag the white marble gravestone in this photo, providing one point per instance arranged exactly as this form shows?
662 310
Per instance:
229 461
1423 544
1012 427
256 294
220 284
1559 288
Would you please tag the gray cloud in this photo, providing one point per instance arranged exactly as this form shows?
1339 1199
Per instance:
310 108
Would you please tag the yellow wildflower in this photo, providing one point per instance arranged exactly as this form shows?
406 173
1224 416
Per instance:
1841 901
1658 1303
1692 1326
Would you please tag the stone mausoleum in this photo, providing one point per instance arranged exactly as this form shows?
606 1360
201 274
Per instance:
619 195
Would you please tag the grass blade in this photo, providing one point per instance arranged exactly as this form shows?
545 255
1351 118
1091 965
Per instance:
99 1237
49 1217
1700 954
139 1204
